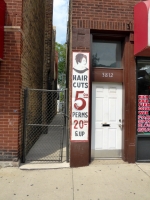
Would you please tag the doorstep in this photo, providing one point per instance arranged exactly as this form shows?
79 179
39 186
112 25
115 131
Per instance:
36 166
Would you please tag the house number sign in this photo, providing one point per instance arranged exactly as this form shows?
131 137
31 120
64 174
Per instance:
107 75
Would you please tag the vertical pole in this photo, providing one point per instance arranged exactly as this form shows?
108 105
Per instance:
67 118
64 119
24 124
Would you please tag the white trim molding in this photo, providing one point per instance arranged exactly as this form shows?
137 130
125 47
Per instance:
12 29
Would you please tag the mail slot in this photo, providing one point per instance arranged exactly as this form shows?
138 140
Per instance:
105 124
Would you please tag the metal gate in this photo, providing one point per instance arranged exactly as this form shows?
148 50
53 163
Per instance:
45 126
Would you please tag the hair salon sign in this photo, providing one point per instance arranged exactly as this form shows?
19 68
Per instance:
80 96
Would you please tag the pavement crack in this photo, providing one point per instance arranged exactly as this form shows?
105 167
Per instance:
142 170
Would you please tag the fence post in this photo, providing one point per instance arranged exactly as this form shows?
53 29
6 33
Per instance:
67 118
24 124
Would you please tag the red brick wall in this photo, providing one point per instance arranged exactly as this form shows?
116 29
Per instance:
10 83
108 16
22 66
13 12
102 14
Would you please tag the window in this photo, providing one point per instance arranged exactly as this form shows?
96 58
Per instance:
106 53
143 96
143 77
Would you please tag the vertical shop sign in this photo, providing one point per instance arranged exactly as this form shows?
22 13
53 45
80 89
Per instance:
143 114
80 96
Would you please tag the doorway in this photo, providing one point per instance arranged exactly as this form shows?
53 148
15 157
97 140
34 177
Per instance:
106 139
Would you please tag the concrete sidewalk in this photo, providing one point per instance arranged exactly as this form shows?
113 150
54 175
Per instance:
100 181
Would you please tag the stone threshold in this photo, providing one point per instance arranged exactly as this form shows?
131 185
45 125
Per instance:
31 166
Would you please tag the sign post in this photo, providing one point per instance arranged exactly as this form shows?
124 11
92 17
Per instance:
79 148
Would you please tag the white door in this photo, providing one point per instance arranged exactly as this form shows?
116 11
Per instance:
106 120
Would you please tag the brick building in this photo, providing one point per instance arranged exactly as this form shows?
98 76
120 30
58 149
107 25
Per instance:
109 73
27 60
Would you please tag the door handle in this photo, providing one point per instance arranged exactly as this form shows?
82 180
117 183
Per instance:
120 125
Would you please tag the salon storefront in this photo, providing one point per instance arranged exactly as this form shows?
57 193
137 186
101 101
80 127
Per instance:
143 109
110 86
142 56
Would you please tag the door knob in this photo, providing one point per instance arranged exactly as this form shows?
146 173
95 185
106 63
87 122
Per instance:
120 125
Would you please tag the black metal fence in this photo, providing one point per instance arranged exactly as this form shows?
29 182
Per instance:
45 126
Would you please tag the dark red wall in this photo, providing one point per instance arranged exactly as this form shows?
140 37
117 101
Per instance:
108 17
